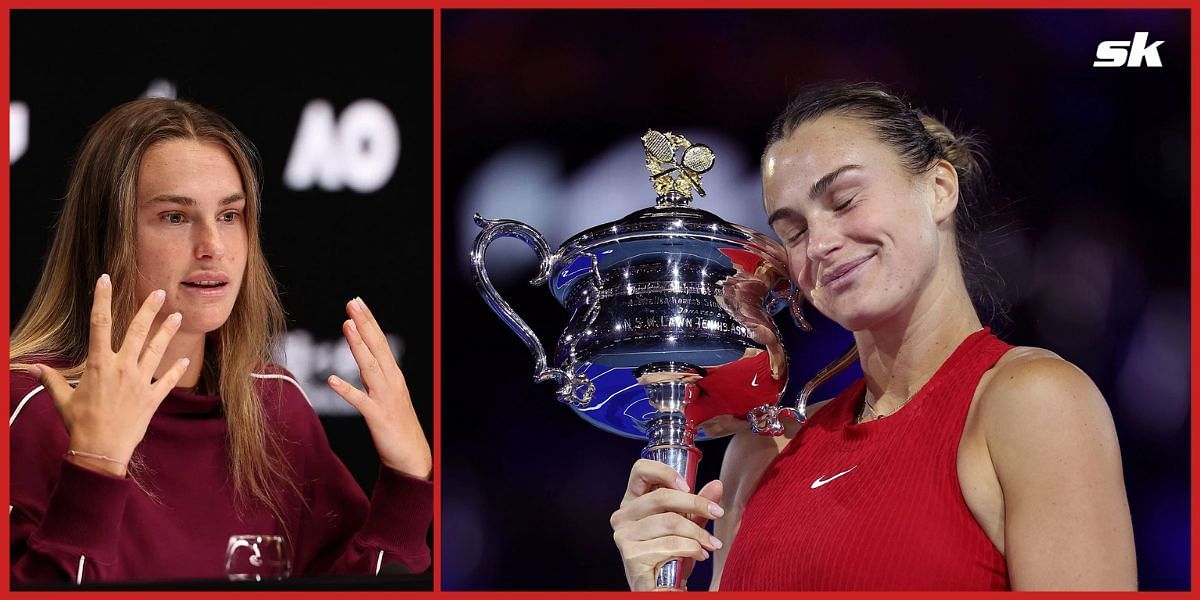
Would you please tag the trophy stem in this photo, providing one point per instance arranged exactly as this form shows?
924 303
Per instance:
670 388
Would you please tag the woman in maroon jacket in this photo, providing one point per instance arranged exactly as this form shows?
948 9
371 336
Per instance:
148 423
958 461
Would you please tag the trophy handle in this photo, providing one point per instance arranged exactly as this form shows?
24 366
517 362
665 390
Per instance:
765 419
573 389
787 295
796 306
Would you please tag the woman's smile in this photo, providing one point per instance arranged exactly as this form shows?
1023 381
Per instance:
841 276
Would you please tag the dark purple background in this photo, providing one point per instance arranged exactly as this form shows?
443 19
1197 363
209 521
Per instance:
1090 180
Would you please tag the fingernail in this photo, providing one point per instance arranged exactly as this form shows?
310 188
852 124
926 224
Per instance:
715 542
105 281
175 317
681 484
34 370
186 361
361 305
715 509
353 304
335 380
159 294
706 554
350 324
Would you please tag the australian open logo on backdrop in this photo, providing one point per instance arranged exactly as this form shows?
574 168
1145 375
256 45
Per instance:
358 149
1126 53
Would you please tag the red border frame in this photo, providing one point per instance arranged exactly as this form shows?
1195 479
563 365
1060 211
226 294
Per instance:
437 299
1195 287
4 241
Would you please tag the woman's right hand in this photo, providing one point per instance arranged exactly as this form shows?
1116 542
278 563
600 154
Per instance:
659 520
108 412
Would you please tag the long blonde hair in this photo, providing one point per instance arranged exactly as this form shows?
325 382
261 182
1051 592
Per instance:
96 233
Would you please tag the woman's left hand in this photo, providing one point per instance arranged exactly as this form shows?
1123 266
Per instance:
386 404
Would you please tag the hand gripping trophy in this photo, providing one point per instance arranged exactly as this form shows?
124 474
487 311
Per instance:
670 336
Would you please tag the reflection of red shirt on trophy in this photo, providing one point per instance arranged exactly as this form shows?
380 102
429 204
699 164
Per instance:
736 388
742 295
758 377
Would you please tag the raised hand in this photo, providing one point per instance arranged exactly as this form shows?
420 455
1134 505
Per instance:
385 405
659 520
108 412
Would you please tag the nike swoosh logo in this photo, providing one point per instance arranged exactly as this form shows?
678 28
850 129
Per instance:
820 482
754 382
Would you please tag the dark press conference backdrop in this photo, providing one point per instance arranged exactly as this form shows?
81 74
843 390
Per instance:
340 107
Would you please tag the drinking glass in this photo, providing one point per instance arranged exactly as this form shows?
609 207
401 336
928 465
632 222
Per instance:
255 557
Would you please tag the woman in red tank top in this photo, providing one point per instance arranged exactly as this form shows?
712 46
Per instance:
958 461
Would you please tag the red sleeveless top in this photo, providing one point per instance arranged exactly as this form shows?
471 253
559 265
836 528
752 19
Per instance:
877 505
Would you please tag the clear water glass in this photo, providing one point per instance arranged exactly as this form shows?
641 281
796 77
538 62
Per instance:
256 557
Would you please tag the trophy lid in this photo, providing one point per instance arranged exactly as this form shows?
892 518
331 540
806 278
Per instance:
671 227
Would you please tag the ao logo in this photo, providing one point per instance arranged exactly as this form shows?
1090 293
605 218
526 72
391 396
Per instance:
359 150
18 130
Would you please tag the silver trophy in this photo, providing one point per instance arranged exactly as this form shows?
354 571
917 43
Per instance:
670 337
